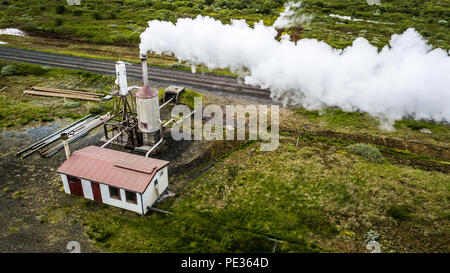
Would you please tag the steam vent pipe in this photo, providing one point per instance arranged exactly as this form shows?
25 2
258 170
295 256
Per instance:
144 69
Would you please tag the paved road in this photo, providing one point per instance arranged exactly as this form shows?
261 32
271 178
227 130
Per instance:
156 74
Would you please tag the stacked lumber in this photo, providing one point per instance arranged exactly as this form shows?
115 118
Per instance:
63 93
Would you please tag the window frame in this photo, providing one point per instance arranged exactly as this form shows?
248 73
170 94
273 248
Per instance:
114 197
130 201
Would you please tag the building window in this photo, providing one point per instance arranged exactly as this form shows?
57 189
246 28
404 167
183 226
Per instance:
131 197
114 193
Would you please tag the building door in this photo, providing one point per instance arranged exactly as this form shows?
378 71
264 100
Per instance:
75 186
96 191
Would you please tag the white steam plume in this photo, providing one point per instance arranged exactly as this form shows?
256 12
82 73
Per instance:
291 17
406 79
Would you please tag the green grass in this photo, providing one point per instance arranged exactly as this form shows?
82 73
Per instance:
357 122
311 199
19 194
186 97
18 110
336 118
121 22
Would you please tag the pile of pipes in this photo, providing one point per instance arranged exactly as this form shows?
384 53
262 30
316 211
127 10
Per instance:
76 130
63 93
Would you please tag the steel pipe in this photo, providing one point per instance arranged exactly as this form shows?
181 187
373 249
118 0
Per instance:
154 147
112 139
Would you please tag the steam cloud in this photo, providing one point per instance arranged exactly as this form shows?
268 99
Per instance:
406 79
291 17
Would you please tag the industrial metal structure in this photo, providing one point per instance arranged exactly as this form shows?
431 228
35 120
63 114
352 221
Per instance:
136 121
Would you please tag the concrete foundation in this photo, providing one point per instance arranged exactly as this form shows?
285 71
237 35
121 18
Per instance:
151 138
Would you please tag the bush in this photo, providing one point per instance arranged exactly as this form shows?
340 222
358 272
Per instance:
60 9
112 15
77 12
8 70
97 15
24 69
399 212
59 21
367 151
98 109
71 104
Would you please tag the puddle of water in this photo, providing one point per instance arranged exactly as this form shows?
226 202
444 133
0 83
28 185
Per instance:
3 43
12 31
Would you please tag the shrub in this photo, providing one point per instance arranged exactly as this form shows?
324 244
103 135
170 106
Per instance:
112 15
399 212
71 104
77 12
98 109
97 15
59 21
367 151
8 70
60 9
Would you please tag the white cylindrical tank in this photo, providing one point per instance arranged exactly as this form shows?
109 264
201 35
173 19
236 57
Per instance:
121 74
148 109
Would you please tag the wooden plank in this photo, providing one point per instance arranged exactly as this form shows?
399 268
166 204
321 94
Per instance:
48 89
60 95
69 93
65 91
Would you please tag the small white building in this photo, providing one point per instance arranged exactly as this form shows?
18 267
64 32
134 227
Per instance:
115 178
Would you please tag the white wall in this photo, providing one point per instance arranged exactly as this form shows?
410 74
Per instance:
65 183
120 203
149 196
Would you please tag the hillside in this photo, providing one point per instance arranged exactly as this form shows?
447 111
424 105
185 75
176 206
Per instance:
122 21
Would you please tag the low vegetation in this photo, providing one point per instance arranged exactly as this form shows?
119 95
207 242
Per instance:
121 22
367 151
358 122
17 109
311 198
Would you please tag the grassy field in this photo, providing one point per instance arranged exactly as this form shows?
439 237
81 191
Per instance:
122 21
323 190
312 197
314 194
18 110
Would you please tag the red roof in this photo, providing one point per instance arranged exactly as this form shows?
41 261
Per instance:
119 169
146 92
